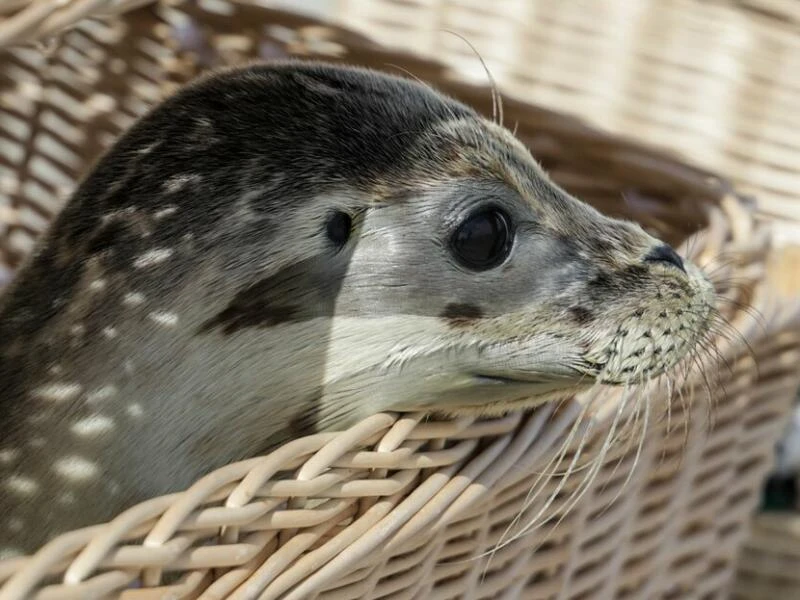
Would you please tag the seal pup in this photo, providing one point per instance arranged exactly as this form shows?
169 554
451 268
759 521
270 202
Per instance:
287 248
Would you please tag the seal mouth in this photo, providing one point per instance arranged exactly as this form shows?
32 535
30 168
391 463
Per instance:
577 371
495 393
503 380
529 379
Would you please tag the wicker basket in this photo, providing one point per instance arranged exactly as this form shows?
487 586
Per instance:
769 565
398 507
716 82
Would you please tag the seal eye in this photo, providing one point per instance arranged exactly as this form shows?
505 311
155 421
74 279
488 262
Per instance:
338 228
483 240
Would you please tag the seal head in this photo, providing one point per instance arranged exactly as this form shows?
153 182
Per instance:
288 248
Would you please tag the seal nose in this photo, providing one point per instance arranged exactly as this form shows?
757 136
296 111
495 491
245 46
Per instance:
665 254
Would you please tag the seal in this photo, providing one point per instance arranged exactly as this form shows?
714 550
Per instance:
287 248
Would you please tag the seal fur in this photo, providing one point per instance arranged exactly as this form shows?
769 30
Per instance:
188 307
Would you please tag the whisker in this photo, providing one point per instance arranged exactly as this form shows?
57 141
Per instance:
532 495
549 501
497 100
637 456
587 481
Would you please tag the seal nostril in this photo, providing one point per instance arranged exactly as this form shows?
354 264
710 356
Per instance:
665 254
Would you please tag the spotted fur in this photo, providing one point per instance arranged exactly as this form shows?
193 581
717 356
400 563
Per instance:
186 309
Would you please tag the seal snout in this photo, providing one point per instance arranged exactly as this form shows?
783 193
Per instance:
666 255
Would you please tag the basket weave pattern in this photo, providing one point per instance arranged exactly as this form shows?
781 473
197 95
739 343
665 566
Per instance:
716 82
404 507
768 565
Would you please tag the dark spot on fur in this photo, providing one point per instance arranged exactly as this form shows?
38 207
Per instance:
249 311
581 315
635 273
300 292
108 234
602 245
601 283
461 314
305 422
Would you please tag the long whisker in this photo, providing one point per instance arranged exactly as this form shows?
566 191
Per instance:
533 497
497 100
555 457
587 481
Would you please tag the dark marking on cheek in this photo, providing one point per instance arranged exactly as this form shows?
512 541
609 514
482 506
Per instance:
602 281
635 273
608 286
248 310
461 314
300 292
600 288
106 235
581 315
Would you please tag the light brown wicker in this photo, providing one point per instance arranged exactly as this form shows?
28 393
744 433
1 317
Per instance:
403 507
717 82
769 564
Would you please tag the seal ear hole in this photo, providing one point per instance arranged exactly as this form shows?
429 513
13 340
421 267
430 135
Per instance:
483 240
338 228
